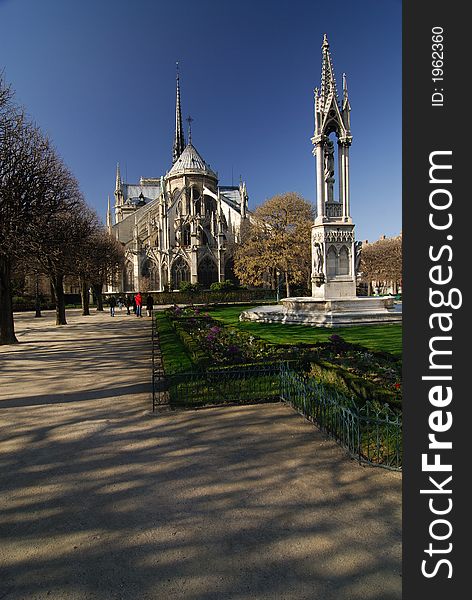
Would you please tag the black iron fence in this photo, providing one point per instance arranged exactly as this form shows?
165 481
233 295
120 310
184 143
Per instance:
160 393
214 297
239 384
372 433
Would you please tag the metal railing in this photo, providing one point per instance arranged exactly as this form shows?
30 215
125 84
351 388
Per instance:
160 393
371 433
227 385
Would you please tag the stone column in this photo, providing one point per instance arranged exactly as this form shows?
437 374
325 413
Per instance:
136 273
346 184
342 160
221 265
320 204
341 176
194 265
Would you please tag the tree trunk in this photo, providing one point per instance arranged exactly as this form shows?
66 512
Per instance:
53 293
7 324
37 303
58 285
287 285
97 290
84 294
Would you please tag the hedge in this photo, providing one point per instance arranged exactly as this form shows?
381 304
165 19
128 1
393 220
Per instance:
209 297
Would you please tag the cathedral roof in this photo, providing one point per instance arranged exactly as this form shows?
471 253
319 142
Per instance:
191 161
231 195
132 193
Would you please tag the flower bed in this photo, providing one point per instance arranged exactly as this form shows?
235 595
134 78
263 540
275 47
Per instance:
355 370
212 343
351 369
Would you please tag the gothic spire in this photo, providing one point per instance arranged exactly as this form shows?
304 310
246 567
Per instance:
189 121
346 105
328 81
179 140
118 179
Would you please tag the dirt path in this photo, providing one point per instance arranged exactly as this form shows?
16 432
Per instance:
102 500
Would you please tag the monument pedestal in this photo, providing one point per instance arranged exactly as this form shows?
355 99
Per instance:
327 313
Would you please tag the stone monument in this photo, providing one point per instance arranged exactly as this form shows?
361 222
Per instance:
335 253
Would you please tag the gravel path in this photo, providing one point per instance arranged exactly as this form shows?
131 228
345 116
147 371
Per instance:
101 499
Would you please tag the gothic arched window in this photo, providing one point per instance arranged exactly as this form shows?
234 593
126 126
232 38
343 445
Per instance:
129 277
145 267
331 260
343 262
180 272
207 271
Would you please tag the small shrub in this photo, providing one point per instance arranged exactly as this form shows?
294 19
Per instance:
223 286
192 288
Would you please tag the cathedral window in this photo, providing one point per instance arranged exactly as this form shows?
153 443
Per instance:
154 279
145 266
207 271
180 272
129 277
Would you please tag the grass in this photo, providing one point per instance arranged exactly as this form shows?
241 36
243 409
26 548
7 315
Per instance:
386 338
201 390
174 353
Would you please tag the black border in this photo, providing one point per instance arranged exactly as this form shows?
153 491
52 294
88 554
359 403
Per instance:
427 128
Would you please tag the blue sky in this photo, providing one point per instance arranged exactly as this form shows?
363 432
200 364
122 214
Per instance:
99 77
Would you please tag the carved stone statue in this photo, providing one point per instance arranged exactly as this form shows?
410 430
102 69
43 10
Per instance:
357 259
318 258
329 170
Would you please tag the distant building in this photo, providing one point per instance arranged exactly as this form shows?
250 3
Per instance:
178 227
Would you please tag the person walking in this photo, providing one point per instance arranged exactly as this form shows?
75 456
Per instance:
128 304
149 305
112 303
139 304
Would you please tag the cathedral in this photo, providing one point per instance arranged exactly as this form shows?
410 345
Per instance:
180 227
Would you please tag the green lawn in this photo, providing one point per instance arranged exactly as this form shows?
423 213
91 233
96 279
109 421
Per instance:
174 353
387 338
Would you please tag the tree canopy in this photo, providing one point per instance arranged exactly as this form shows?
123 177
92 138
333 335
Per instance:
381 261
275 241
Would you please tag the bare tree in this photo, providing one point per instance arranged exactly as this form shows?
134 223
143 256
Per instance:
33 187
381 262
98 262
63 239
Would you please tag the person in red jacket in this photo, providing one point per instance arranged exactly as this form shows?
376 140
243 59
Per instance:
139 304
